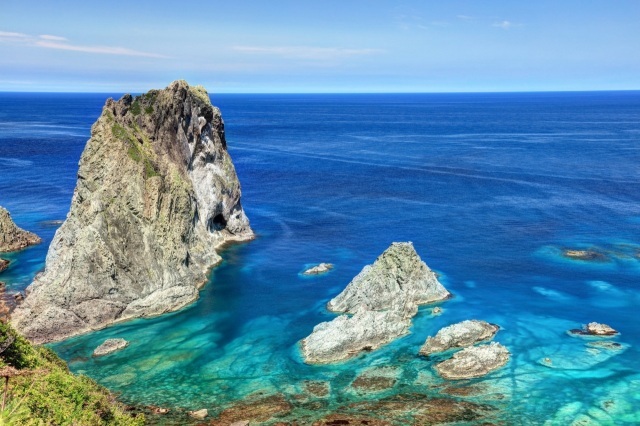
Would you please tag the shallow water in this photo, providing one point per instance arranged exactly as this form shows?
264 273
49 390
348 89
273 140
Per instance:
489 187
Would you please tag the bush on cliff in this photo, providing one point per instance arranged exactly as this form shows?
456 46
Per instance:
42 391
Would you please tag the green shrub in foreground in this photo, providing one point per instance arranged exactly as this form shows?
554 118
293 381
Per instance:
48 394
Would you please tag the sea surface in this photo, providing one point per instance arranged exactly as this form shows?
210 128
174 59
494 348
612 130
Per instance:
490 188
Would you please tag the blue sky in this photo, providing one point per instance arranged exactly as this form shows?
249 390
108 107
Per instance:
320 46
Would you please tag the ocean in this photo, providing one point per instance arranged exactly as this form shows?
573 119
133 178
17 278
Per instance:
490 188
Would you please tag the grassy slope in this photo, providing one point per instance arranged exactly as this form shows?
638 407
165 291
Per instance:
49 394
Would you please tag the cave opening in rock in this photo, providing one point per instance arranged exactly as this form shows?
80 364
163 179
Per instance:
217 223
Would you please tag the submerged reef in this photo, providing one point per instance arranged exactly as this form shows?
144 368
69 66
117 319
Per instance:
382 298
156 194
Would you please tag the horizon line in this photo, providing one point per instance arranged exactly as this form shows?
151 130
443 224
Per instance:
335 93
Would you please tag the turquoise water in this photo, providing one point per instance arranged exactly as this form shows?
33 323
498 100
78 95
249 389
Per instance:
489 187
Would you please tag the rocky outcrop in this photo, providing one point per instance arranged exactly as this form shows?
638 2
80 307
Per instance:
322 268
474 361
398 276
13 238
595 329
383 299
346 336
459 335
109 346
156 194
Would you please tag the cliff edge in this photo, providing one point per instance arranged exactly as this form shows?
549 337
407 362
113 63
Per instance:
156 194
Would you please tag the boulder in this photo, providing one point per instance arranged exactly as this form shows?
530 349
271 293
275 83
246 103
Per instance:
321 268
459 335
594 329
199 414
109 346
474 361
4 264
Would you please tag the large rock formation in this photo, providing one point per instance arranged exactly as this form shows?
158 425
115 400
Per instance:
13 238
459 335
157 193
383 298
397 276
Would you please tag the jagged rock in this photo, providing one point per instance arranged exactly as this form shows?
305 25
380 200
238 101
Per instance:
13 238
459 335
319 269
594 329
109 346
398 276
346 336
597 329
436 311
383 298
156 194
474 361
4 264
199 414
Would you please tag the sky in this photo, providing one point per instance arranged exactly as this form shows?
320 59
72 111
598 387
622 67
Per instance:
324 46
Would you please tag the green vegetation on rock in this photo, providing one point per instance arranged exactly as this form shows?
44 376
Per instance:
42 391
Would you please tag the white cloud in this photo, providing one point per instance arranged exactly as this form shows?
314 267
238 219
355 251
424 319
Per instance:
105 50
48 41
505 25
465 17
11 35
52 37
305 52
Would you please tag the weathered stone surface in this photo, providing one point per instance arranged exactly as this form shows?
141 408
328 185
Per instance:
199 414
4 264
157 193
346 336
595 329
398 279
13 238
474 361
322 268
383 298
109 346
459 335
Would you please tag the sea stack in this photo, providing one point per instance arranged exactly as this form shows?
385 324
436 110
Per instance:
13 238
382 298
156 194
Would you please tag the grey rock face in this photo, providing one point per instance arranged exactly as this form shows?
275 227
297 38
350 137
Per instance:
156 194
109 346
460 335
346 336
397 280
12 237
383 299
474 361
595 329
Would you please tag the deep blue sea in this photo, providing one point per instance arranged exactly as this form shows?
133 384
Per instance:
491 188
